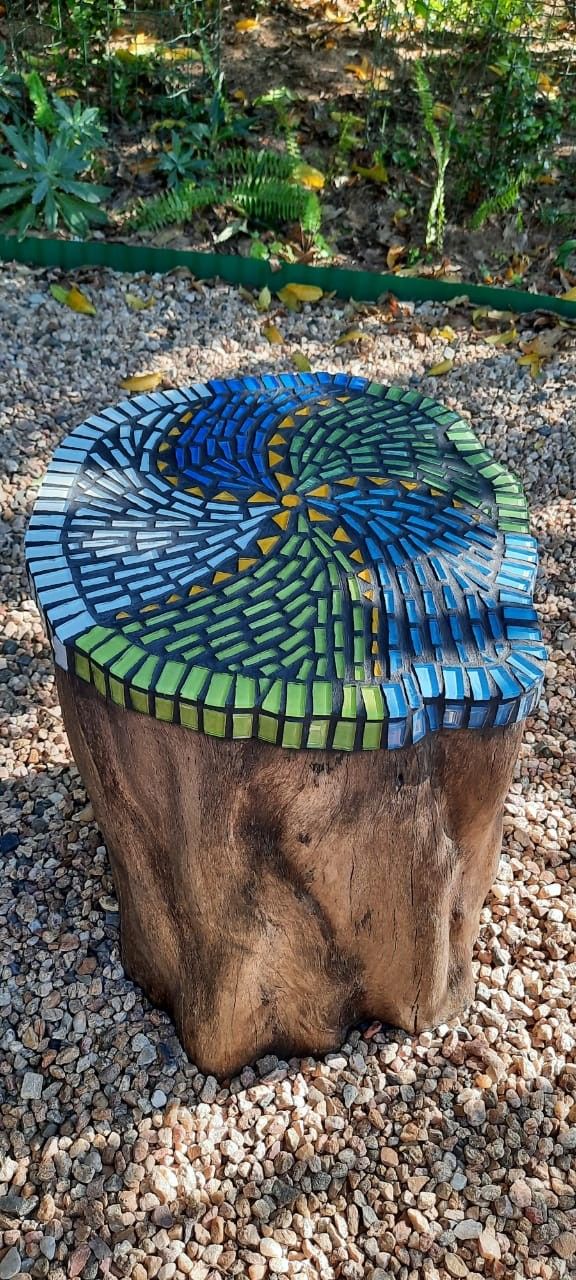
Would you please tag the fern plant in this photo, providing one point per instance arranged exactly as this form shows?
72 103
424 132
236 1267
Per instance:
501 202
440 148
260 184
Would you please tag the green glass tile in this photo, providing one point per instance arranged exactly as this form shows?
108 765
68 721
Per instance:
218 690
372 736
98 679
242 725
104 653
349 701
273 700
296 699
117 693
339 664
321 698
82 666
164 708
126 662
188 716
318 733
195 683
344 736
245 692
373 702
139 701
292 734
143 678
267 729
214 723
170 677
90 639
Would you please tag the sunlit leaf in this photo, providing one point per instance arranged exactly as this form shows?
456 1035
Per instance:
445 332
247 24
545 343
139 304
264 299
301 362
533 362
441 111
376 172
363 70
74 299
547 86
444 366
395 252
272 335
142 382
300 293
353 335
307 176
570 295
501 339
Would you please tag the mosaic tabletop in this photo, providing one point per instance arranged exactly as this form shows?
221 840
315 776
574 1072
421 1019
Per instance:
313 560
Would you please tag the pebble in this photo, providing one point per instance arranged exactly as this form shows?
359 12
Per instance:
10 1264
395 1157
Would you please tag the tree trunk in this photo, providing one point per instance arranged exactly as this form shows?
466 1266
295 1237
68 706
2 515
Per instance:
271 898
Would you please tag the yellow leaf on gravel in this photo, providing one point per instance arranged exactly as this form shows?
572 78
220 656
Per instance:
533 363
446 332
307 176
264 299
272 334
247 24
436 370
301 362
570 295
300 293
142 382
139 304
501 339
74 299
353 335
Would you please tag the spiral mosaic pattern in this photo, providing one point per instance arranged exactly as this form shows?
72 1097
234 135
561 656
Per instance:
310 559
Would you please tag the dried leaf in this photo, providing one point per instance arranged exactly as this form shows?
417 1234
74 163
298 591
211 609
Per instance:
501 339
363 70
307 176
300 293
139 304
272 334
441 112
436 370
74 299
570 295
247 24
264 299
353 335
142 381
395 252
545 343
301 362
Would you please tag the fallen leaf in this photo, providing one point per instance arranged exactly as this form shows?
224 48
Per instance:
441 111
375 173
139 304
400 215
501 339
300 293
446 332
533 363
272 334
545 342
363 70
142 382
547 86
74 299
436 370
353 335
570 295
264 299
247 24
395 252
307 176
301 362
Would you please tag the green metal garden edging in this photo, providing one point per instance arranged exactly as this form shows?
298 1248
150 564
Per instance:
363 286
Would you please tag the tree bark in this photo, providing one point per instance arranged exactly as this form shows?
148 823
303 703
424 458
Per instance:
271 898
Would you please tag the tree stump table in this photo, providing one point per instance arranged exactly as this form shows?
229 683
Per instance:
294 638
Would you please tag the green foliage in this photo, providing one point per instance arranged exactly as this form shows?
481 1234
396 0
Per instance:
440 148
40 184
11 90
260 184
181 159
501 202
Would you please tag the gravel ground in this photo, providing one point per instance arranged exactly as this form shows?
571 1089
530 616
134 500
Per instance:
451 1154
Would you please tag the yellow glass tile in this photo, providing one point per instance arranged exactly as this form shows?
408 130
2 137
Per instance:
195 590
340 535
266 544
260 496
196 490
318 515
187 417
323 491
291 500
282 519
351 481
225 497
357 555
246 562
221 576
365 575
274 457
277 439
283 480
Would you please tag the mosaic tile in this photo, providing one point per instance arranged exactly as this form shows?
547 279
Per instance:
310 559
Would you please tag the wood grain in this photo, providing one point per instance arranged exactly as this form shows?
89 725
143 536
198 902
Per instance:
271 898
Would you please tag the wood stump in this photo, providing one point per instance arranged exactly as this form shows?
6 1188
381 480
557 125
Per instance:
271 898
